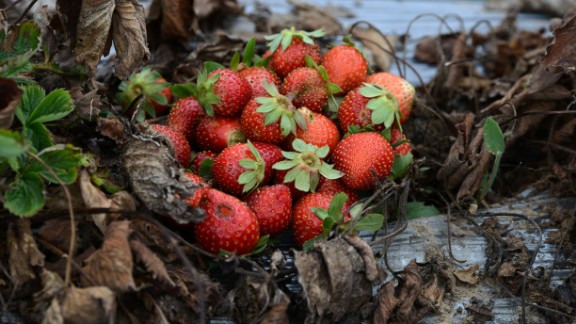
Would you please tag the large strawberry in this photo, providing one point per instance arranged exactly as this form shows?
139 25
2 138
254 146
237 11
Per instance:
181 146
229 225
150 84
273 208
217 133
399 87
320 131
364 158
289 49
346 66
185 115
232 90
256 76
241 168
306 88
306 216
368 105
270 119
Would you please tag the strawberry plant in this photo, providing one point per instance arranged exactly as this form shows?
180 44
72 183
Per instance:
149 84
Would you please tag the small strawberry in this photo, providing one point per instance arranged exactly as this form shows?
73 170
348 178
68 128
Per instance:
217 133
400 143
346 66
336 186
273 208
232 90
181 146
270 119
195 199
152 86
229 225
306 88
294 47
368 105
185 115
364 158
399 87
256 75
199 158
309 213
320 131
241 168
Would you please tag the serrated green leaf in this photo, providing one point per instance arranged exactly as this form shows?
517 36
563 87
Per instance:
26 195
26 43
302 181
210 66
401 166
249 51
328 172
184 90
493 137
272 116
285 165
56 105
336 205
31 98
390 120
271 89
370 223
64 160
10 144
38 135
274 42
417 209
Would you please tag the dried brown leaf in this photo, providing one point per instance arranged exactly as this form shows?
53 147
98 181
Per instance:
379 48
205 8
129 35
23 251
94 198
85 306
10 96
257 299
177 16
560 53
56 232
433 293
151 261
111 265
468 275
113 128
456 71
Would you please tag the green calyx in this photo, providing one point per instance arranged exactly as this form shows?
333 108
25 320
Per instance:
279 107
254 174
383 104
305 166
284 38
145 83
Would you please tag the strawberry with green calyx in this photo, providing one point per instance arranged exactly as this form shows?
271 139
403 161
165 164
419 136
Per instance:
402 154
181 146
306 165
201 161
364 158
320 131
332 88
402 90
271 119
185 115
294 47
335 186
369 105
217 133
273 208
230 225
232 91
150 84
345 65
306 88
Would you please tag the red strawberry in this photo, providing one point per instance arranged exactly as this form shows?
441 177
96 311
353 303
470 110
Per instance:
320 131
240 168
181 146
152 85
336 186
194 201
217 133
199 158
232 90
279 179
294 47
346 67
368 105
273 208
365 158
399 87
256 75
270 119
229 224
185 115
400 149
305 223
306 88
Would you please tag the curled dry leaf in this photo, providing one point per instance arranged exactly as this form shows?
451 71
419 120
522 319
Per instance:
468 275
176 18
151 261
334 279
111 265
257 299
560 53
23 251
10 96
157 179
91 305
52 284
129 35
94 198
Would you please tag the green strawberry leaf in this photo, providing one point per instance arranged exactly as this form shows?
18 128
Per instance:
235 61
274 41
310 243
56 105
302 181
25 44
10 144
328 172
493 137
323 151
291 175
38 135
260 62
417 209
205 168
356 209
371 90
25 196
210 67
184 90
261 245
286 40
159 98
320 212
285 165
300 146
248 163
370 223
401 166
249 51
62 159
31 98
311 63
336 205
289 155
327 226
333 88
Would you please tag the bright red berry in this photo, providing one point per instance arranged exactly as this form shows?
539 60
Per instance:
320 131
290 48
364 158
346 66
185 115
256 76
195 199
181 146
229 224
403 148
399 87
217 133
232 90
368 105
273 208
306 87
199 158
335 186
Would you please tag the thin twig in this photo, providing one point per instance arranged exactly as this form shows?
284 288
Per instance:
26 11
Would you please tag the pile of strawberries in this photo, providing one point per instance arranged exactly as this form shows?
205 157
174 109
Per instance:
274 139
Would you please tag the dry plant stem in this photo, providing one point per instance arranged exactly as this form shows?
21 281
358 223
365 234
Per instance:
70 213
449 228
